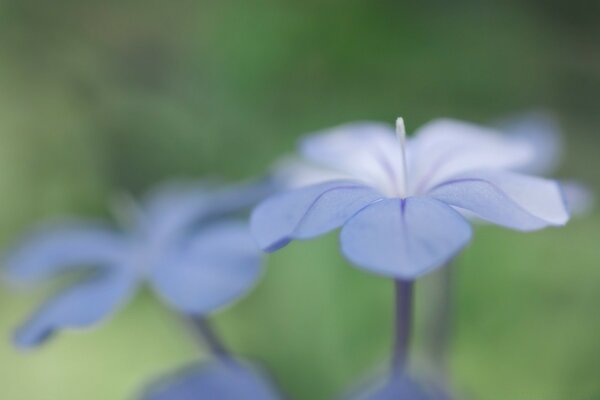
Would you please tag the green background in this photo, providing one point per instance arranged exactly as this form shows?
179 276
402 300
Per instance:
101 98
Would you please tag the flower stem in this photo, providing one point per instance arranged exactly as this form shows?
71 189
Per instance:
210 338
403 325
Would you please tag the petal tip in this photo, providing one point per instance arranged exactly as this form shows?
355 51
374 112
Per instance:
25 339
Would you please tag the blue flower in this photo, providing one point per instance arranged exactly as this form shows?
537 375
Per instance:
401 387
222 380
401 203
542 132
185 241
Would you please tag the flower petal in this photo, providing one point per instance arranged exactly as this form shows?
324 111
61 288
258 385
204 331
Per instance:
174 207
217 380
508 199
541 132
60 247
308 212
293 173
446 147
214 268
79 306
398 388
367 151
404 239
579 197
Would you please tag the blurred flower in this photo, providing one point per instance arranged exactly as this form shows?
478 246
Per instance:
184 241
542 133
401 387
400 202
222 380
579 197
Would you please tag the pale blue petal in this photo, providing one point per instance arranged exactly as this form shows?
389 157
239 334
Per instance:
579 197
79 306
173 208
218 381
366 151
241 196
508 199
446 147
60 247
402 388
404 239
213 268
293 173
308 212
541 132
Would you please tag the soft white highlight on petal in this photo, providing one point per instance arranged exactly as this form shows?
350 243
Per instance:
400 167
445 147
369 152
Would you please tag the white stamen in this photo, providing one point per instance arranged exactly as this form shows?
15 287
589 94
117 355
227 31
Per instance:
401 134
401 131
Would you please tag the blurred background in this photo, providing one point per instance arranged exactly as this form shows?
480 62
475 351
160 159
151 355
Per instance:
98 98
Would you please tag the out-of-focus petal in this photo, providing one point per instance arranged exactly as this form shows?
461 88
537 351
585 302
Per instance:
541 132
79 306
213 268
367 151
218 380
580 199
446 147
400 388
404 239
61 247
308 212
174 207
293 173
509 199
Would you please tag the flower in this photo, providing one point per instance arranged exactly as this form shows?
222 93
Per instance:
185 242
542 132
402 387
400 202
223 380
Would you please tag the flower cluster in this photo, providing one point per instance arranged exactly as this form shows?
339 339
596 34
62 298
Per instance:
404 206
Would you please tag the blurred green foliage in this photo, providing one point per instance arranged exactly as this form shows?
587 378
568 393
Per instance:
98 98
